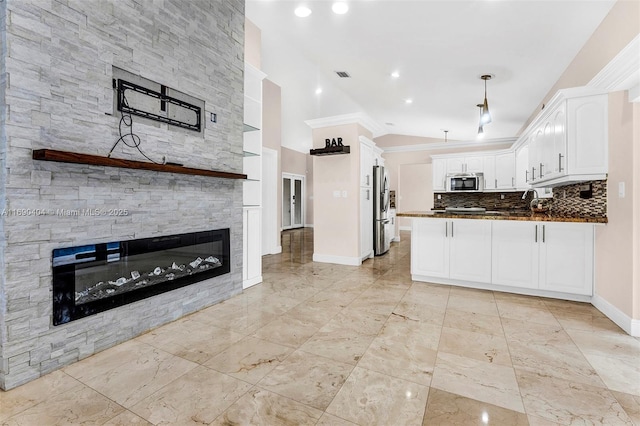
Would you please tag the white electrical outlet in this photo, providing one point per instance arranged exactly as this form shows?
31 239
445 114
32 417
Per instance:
344 194
439 197
621 190
336 194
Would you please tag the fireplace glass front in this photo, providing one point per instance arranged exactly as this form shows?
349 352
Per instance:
93 278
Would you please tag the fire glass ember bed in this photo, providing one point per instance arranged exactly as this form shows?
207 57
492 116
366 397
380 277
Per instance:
94 278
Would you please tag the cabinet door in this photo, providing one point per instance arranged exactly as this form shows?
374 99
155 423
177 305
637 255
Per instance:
455 165
566 257
430 247
514 248
366 165
252 250
470 250
489 167
439 171
505 171
587 135
522 167
559 154
366 223
534 155
473 164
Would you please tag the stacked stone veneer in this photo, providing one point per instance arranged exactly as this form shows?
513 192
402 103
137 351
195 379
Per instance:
55 80
566 200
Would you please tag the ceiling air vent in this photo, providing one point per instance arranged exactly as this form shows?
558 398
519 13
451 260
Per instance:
343 74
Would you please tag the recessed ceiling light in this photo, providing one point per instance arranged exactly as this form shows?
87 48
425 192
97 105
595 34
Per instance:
318 90
395 74
302 11
408 101
340 8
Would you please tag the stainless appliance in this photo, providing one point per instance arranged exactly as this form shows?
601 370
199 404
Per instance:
381 229
465 182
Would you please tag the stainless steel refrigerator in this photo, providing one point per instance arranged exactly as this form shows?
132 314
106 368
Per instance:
381 236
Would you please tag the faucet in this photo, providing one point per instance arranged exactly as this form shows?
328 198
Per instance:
535 193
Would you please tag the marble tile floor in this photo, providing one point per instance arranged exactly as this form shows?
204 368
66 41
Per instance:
335 345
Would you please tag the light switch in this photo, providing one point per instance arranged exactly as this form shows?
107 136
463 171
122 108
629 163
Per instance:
621 190
336 194
344 194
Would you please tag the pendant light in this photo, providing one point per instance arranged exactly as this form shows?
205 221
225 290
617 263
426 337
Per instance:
485 118
480 125
445 135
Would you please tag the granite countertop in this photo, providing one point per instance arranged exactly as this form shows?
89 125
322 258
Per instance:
504 215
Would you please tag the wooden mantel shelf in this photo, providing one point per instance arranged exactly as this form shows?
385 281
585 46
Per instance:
96 160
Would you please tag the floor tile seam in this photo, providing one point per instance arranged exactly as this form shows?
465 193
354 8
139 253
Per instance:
585 356
124 409
256 386
615 397
504 335
78 386
440 336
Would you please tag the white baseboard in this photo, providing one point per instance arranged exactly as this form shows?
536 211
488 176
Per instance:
625 322
273 250
339 260
307 225
404 228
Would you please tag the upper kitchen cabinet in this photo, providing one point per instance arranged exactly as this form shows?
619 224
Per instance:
439 170
505 171
569 138
469 164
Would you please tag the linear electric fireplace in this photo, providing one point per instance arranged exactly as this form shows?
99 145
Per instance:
94 278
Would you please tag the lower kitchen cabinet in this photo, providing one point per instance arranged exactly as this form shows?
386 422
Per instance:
548 256
456 249
566 257
545 257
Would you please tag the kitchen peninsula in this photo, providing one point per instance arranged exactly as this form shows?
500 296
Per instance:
512 251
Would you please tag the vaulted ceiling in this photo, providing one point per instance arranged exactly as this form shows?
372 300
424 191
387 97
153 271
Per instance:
439 49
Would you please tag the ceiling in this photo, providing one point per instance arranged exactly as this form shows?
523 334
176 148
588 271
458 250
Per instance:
439 48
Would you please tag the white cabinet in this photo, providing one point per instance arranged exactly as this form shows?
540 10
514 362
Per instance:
252 246
568 141
550 256
470 250
366 165
489 166
252 186
457 249
439 171
393 225
566 257
467 164
505 171
366 223
515 254
430 247
522 166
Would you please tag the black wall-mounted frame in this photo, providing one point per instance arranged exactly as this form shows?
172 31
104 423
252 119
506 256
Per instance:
164 99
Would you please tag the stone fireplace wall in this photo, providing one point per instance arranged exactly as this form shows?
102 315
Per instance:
56 79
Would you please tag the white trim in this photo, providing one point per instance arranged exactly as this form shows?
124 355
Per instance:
438 146
404 228
355 118
251 282
303 179
308 225
339 260
628 324
622 72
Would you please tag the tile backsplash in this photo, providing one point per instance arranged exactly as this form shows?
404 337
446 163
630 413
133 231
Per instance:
566 200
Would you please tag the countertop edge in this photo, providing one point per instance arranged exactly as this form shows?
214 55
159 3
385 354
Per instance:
533 217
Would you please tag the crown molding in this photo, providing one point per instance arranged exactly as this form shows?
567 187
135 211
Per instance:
439 146
622 72
355 118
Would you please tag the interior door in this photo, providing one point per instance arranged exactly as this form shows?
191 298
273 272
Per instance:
292 201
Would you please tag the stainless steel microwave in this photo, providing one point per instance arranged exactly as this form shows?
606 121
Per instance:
465 182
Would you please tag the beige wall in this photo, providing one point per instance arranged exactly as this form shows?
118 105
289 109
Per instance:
635 191
252 44
272 132
614 242
415 189
336 220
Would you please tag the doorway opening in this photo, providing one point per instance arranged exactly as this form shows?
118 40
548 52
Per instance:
292 201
